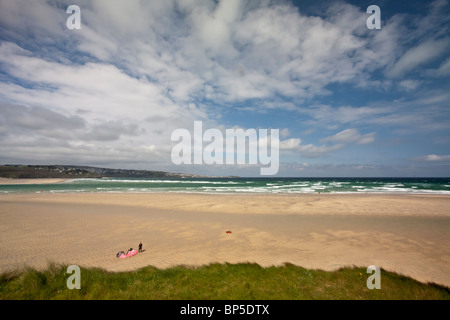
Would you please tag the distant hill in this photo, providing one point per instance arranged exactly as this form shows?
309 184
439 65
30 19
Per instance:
71 172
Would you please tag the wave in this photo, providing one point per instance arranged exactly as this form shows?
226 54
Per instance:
241 185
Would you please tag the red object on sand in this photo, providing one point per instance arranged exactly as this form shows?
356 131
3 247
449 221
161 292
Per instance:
130 254
228 231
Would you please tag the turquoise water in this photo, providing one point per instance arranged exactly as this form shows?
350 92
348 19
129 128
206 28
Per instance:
243 185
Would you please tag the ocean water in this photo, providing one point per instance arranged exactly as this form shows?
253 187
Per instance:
242 185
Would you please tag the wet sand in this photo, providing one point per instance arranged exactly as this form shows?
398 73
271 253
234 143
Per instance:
8 181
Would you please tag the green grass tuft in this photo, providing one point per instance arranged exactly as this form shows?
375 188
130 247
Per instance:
215 282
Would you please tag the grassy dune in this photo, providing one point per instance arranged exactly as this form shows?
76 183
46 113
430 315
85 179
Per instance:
215 281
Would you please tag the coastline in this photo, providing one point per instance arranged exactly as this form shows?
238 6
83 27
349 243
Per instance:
9 181
407 234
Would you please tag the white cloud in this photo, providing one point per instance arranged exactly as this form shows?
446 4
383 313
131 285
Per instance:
232 51
307 150
442 71
333 117
419 55
351 136
433 157
409 85
284 133
339 141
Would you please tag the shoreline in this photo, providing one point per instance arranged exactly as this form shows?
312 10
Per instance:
407 234
10 181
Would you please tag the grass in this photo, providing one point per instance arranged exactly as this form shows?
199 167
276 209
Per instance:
215 282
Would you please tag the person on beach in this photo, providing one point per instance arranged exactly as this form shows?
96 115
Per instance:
140 247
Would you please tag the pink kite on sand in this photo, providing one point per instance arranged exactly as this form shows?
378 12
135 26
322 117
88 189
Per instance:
129 254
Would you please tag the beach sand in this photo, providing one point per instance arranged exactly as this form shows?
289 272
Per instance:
407 234
9 181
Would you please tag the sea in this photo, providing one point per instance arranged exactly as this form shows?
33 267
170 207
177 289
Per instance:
270 185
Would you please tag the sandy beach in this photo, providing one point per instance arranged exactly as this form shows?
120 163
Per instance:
7 181
407 234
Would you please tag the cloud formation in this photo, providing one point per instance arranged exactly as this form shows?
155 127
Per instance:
351 136
434 157
113 91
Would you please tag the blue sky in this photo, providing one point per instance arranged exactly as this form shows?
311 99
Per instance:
348 101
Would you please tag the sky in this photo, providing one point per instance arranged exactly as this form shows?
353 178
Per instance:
348 101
